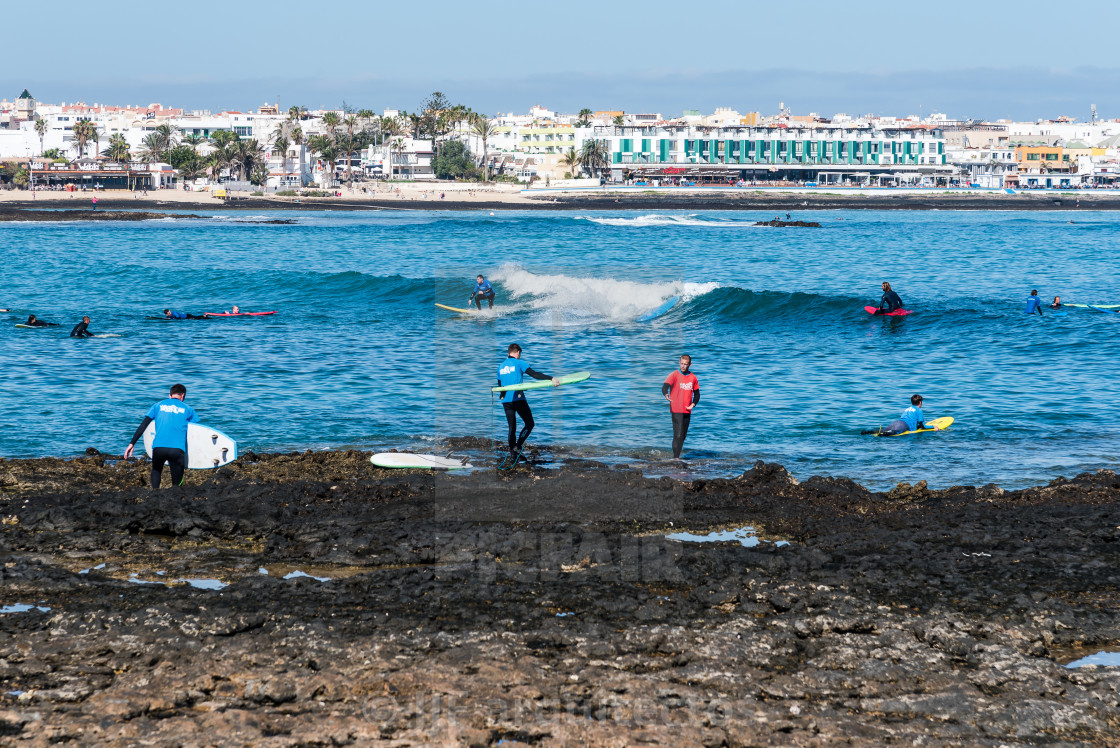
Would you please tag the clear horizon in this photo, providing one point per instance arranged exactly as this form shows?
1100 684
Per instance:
999 60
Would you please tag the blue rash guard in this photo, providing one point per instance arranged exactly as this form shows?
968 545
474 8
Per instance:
1034 304
913 417
513 371
483 289
171 417
177 315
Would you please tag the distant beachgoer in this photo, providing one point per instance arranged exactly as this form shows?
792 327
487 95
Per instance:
171 417
1034 304
482 290
95 203
81 329
34 321
682 390
890 300
1057 303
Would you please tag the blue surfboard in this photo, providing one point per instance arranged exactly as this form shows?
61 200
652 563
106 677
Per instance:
1106 311
664 308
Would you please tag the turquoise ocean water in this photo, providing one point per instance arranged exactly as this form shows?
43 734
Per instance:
790 366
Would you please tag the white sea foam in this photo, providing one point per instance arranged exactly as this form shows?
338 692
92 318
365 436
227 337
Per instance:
656 219
592 297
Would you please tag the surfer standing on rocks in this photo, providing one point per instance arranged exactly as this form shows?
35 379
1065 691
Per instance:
513 371
682 390
171 417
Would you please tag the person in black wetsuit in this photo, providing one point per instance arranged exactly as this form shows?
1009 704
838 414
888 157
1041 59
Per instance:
34 321
80 330
1057 303
890 300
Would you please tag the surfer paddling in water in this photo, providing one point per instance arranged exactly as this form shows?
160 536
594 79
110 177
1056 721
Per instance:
482 290
890 301
682 390
912 419
81 330
513 371
171 417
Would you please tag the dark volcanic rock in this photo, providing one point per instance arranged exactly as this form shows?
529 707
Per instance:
788 224
547 608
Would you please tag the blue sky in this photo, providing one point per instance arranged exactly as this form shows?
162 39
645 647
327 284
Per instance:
1025 59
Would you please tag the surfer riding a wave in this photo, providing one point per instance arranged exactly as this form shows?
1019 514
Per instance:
890 301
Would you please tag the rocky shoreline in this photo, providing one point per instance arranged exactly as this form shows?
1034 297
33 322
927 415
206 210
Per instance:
549 608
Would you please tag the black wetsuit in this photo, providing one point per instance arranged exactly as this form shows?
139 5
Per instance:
889 302
80 331
40 323
520 408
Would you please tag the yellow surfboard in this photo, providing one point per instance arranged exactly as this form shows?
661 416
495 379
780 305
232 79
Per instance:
455 309
940 423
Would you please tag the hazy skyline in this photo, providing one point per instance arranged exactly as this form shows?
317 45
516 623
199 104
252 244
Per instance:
1003 59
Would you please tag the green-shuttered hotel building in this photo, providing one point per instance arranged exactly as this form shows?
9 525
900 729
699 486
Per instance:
825 153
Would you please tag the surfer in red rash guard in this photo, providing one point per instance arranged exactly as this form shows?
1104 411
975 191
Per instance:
682 390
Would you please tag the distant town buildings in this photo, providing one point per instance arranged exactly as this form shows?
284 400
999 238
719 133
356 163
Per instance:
725 146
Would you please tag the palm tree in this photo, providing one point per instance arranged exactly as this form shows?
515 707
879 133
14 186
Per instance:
618 120
118 150
571 160
281 144
83 131
297 140
594 155
584 118
485 129
327 149
296 113
398 146
41 128
331 120
153 145
194 141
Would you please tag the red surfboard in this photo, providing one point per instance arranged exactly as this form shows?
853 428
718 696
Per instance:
239 314
895 313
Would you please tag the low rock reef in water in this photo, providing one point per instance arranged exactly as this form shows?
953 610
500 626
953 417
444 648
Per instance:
312 599
788 224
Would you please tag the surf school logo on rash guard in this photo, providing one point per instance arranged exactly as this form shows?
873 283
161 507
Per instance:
174 409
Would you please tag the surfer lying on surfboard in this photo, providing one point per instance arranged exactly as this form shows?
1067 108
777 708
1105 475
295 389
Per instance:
33 321
912 419
174 314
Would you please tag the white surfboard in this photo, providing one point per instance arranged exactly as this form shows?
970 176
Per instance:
206 447
410 460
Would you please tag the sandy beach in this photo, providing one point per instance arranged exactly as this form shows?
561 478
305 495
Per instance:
452 196
310 599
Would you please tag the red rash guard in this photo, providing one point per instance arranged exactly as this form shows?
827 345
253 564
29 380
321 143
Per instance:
684 391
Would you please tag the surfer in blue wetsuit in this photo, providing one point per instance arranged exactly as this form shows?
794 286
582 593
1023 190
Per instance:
513 371
171 417
482 290
172 314
890 301
1034 304
912 419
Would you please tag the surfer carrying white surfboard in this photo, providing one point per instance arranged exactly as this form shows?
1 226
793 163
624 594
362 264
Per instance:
171 417
482 290
682 390
890 301
513 371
